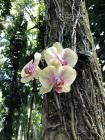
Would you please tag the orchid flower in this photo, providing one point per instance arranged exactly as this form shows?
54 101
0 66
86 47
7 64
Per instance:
65 56
31 69
58 78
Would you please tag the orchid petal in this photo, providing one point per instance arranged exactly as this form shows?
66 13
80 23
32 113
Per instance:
37 57
45 90
66 88
70 56
58 46
46 76
68 74
49 54
26 78
55 62
23 74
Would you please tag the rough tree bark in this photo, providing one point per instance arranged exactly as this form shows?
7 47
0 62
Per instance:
78 115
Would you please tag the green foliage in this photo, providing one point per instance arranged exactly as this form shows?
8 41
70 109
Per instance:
19 43
5 6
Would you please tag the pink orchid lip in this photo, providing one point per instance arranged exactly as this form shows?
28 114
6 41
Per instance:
30 69
58 84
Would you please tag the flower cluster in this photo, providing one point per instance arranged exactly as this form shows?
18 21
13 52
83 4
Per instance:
59 74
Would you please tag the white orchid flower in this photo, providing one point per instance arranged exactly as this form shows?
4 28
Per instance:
58 78
31 69
64 56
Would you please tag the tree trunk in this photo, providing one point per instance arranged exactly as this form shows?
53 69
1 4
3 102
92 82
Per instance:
78 115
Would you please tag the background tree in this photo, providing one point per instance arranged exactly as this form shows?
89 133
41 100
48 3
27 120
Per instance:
20 112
